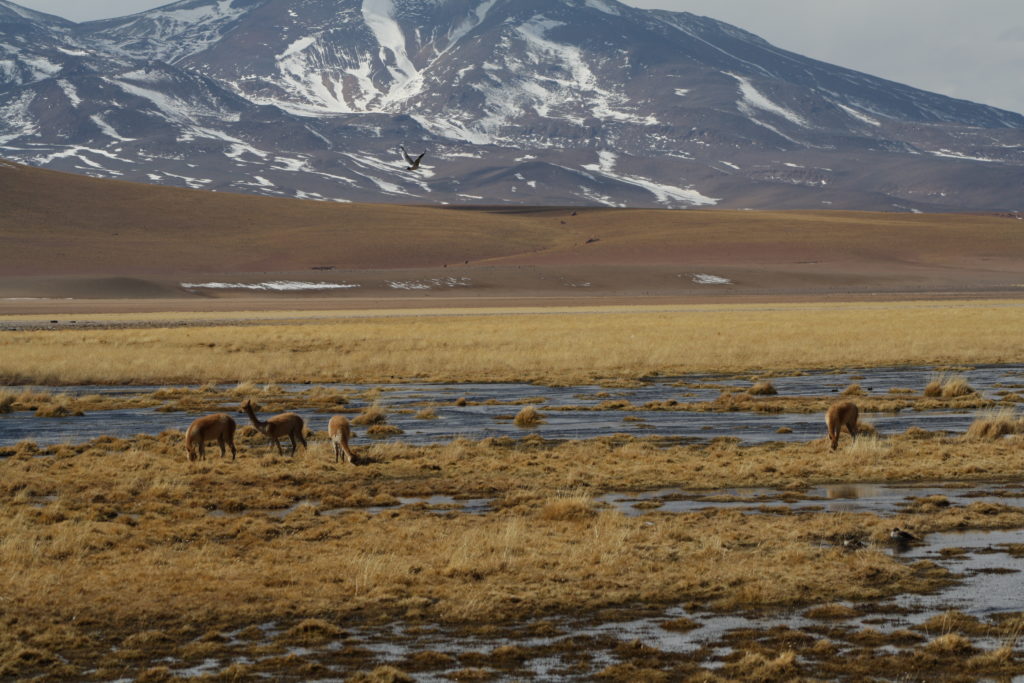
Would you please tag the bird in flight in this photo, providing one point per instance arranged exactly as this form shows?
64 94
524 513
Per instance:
413 163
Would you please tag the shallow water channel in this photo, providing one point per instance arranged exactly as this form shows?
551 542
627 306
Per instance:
568 412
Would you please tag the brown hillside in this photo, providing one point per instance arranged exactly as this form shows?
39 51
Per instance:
73 236
59 223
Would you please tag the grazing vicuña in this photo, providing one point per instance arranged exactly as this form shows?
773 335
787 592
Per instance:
839 415
339 430
285 424
219 427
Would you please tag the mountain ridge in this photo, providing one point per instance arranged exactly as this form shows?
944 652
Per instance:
602 103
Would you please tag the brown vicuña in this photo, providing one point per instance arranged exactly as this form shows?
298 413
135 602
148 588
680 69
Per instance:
219 427
285 424
839 415
340 430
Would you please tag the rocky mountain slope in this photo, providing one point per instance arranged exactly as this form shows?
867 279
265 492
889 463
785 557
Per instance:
515 101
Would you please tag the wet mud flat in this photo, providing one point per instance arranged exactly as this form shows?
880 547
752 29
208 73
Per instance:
680 408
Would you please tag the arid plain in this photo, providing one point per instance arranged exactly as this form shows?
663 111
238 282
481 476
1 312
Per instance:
515 556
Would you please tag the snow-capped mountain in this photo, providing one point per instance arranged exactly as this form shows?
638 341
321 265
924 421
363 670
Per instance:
515 101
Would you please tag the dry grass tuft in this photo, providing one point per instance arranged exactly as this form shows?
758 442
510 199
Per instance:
757 667
570 506
311 631
60 405
868 446
371 415
7 400
956 387
382 674
917 433
866 429
943 386
853 390
680 625
244 389
528 416
952 643
994 659
934 388
996 425
427 414
380 430
763 388
955 621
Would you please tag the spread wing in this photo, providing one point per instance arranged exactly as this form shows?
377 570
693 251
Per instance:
408 158
416 163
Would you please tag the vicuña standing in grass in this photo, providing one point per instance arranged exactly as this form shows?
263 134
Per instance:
278 426
219 427
839 415
339 430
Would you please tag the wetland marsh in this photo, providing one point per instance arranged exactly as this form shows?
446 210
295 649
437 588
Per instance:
656 524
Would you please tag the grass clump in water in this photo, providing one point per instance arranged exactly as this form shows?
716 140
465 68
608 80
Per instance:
528 416
942 386
371 415
763 388
995 425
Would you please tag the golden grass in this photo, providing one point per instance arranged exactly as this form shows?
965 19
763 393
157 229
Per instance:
208 546
570 505
945 386
615 343
996 425
763 388
371 415
528 416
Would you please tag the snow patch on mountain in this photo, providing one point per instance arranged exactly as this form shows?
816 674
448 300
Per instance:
575 83
668 195
17 118
380 18
172 32
70 91
859 115
602 6
319 90
107 129
751 98
460 31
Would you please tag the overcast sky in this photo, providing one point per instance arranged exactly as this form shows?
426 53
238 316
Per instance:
971 49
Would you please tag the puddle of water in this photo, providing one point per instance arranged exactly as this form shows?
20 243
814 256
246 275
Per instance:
880 499
986 590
